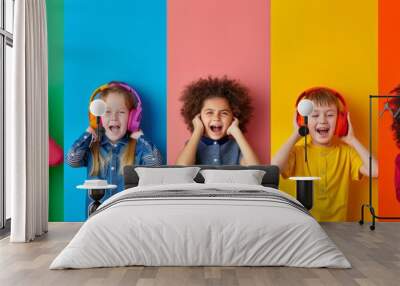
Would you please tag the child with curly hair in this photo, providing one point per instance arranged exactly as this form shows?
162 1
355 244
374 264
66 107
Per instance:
216 111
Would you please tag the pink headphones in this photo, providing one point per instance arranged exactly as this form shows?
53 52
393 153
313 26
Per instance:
135 114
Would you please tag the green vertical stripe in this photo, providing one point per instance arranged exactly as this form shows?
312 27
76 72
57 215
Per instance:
55 28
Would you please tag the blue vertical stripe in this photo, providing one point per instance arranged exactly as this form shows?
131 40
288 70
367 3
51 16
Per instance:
111 40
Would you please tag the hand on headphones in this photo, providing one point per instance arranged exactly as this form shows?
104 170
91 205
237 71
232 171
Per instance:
234 127
349 138
296 125
198 125
93 132
135 135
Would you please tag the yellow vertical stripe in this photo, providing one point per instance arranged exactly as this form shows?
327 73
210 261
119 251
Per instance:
323 43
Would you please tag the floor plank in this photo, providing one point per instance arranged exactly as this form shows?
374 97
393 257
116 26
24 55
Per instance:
374 255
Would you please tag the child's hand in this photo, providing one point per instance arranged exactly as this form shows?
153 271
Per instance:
198 125
295 124
234 128
93 132
349 138
296 127
135 135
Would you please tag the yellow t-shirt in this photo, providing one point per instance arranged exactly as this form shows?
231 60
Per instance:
336 165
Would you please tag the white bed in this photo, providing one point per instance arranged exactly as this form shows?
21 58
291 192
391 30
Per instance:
222 225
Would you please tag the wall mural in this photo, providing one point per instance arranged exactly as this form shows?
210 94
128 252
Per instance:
166 57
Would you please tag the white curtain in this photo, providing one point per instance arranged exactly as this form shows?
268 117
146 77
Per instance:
27 124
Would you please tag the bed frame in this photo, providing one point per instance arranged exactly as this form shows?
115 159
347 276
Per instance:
270 179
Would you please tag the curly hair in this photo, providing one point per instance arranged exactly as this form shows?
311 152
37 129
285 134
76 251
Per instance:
395 105
198 91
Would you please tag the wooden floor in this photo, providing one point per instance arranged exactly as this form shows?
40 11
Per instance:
374 255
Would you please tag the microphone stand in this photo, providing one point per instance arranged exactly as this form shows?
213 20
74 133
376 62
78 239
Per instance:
98 128
304 185
96 194
305 137
303 131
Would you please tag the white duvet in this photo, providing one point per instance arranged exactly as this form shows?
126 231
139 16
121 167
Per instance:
183 231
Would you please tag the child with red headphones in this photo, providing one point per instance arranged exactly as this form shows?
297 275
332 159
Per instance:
335 154
122 143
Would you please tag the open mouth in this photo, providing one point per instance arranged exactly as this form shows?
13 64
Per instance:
216 128
114 128
323 131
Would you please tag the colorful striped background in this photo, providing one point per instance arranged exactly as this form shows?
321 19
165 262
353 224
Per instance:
277 48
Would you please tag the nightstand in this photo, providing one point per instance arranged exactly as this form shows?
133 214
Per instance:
304 190
96 193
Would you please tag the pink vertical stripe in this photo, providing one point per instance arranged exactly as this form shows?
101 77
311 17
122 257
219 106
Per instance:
224 37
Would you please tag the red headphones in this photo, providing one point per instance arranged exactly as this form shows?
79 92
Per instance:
342 124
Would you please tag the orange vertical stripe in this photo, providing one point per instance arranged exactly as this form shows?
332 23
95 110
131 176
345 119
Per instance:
389 77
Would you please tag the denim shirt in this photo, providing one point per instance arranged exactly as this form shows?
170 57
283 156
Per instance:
80 155
224 151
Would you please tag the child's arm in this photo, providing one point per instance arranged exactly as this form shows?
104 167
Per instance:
188 154
150 155
351 140
78 153
249 157
281 157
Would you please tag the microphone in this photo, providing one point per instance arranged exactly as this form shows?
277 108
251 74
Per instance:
98 108
305 108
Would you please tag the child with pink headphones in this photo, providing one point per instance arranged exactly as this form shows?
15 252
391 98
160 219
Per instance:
122 143
335 154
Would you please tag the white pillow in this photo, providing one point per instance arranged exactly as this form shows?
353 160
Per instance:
249 177
163 176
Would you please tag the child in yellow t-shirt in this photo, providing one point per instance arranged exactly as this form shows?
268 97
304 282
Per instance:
334 154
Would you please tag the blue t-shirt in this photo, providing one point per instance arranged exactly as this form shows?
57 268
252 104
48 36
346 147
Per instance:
224 151
80 155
